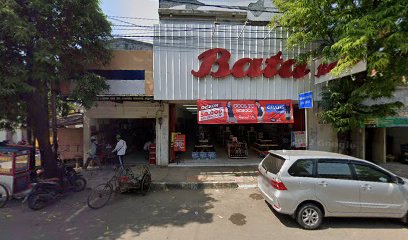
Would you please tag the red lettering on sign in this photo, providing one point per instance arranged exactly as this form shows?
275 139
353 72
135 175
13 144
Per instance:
271 68
208 58
274 65
238 68
285 69
255 68
324 69
300 71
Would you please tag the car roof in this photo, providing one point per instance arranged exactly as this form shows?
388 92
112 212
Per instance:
297 154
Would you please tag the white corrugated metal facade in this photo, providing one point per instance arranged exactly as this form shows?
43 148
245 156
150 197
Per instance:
176 49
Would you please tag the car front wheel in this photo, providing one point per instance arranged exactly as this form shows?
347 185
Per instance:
309 216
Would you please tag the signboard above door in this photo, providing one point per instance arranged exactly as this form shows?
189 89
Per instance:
244 111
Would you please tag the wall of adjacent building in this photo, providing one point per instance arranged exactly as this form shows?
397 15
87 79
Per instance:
358 143
379 145
70 142
14 136
322 137
133 60
400 136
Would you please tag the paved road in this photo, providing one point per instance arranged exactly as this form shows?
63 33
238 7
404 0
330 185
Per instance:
180 214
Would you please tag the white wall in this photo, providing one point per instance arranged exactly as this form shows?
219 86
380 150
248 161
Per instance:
379 146
321 137
358 143
2 135
266 8
14 136
177 47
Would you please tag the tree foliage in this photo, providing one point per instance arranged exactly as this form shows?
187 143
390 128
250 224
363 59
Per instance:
374 31
44 41
342 105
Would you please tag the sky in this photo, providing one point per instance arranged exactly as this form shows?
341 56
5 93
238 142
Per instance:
132 9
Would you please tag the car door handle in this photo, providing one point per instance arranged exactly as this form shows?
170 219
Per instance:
366 187
323 183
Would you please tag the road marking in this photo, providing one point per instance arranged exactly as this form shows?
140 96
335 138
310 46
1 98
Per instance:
247 186
76 213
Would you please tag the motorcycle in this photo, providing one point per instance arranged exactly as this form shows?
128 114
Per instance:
44 191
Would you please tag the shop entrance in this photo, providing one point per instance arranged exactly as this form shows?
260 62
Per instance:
229 144
136 133
397 144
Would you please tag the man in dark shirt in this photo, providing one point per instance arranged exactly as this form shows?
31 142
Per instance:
230 114
261 111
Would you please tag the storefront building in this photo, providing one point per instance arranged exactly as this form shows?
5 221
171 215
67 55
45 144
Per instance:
128 107
386 139
232 87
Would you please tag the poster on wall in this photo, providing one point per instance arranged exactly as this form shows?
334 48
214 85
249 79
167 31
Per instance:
180 143
298 139
244 111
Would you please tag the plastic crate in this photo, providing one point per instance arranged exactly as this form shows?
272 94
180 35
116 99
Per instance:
212 155
203 155
195 155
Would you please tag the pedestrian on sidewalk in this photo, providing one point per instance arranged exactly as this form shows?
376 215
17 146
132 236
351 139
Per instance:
146 148
120 149
92 154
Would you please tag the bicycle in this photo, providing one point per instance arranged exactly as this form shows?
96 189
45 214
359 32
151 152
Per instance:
122 181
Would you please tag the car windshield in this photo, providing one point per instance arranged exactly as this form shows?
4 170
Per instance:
273 163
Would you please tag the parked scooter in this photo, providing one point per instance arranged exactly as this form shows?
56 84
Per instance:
44 191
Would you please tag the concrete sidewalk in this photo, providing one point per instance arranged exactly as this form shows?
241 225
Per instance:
187 177
204 177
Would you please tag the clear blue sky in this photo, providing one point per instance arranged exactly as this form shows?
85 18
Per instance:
135 9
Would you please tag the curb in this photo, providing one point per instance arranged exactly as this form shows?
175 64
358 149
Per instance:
200 185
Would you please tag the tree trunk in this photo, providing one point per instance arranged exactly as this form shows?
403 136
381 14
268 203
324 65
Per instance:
54 119
29 131
30 140
37 103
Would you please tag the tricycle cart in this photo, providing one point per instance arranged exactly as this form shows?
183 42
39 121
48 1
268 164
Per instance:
123 181
15 169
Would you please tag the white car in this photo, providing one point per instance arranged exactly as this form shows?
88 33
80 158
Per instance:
310 185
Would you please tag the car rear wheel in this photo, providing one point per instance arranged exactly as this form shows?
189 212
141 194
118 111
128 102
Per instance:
309 216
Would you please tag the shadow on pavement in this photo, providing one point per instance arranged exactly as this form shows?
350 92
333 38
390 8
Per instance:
129 215
125 215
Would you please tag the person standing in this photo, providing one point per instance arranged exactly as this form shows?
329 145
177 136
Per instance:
146 148
261 111
120 149
92 154
230 114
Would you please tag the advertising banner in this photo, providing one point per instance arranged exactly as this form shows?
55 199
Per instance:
244 111
399 120
180 143
298 139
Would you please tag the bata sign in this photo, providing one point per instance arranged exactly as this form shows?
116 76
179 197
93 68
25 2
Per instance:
252 67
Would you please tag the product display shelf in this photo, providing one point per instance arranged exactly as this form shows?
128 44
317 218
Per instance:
237 150
263 146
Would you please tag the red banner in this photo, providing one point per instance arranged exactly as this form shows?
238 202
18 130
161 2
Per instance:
180 143
244 111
